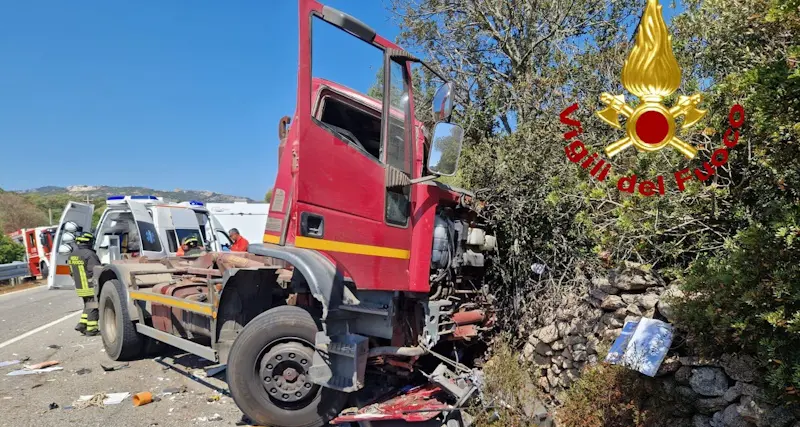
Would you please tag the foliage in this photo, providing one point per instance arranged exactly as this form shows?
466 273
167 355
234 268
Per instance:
268 196
10 251
607 396
18 212
518 65
505 380
748 298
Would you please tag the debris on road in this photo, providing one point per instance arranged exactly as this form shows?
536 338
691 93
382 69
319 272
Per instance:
215 417
54 347
83 371
114 367
27 371
53 405
214 370
143 398
101 399
9 363
174 390
42 364
199 373
213 398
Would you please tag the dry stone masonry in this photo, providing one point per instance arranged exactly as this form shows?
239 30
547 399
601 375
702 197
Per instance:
699 392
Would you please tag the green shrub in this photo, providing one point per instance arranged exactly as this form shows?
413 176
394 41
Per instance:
747 298
10 251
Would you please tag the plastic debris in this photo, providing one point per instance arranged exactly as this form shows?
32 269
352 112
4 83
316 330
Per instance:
213 398
114 367
83 371
9 363
33 371
104 399
42 364
143 398
53 405
214 370
642 346
215 417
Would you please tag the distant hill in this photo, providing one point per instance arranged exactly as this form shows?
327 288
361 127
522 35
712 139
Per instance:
101 192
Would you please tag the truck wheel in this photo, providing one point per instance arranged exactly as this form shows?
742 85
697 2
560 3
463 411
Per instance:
43 270
120 338
268 372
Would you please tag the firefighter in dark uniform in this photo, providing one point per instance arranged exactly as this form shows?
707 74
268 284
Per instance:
82 261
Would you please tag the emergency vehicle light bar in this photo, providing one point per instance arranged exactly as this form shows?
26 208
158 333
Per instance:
120 199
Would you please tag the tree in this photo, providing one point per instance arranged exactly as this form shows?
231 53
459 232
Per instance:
10 251
17 212
268 196
519 64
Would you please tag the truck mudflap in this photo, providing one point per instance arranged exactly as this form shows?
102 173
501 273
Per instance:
414 404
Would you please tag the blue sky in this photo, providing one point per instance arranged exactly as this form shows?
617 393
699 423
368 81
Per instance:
158 94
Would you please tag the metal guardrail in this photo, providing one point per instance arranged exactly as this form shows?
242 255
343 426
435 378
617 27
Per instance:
14 270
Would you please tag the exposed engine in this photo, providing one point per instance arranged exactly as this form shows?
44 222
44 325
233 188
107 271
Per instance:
459 305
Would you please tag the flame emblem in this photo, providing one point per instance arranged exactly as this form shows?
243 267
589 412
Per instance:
651 73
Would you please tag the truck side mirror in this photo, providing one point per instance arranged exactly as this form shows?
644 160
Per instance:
443 103
445 148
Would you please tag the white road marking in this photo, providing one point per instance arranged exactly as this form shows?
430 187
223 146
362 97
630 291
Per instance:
39 329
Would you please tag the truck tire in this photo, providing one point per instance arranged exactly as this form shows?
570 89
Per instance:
120 338
268 372
43 270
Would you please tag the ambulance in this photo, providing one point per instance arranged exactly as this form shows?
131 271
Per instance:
134 226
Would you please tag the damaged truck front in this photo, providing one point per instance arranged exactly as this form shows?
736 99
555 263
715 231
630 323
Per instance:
370 275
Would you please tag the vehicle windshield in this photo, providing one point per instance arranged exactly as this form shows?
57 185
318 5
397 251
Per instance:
184 233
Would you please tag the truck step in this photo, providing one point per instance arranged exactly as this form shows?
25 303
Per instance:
181 343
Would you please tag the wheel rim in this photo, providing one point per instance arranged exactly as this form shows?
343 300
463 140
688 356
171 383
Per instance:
109 328
283 370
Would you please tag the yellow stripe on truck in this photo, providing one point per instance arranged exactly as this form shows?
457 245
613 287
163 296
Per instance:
343 247
172 302
350 248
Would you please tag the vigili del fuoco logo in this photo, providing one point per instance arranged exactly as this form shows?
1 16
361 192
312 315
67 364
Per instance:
652 74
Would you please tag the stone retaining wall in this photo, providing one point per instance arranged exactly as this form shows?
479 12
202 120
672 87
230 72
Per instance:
699 392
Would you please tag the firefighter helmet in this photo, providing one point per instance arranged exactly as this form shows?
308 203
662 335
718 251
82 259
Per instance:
191 242
85 238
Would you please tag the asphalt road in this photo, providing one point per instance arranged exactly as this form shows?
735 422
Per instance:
25 400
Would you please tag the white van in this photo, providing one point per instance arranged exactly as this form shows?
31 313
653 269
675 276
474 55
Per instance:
135 226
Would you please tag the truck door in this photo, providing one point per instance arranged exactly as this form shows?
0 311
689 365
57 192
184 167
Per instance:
33 251
149 240
59 276
346 150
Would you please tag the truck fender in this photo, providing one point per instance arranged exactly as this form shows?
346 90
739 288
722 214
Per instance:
324 280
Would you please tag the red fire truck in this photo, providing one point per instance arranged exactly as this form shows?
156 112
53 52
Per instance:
38 243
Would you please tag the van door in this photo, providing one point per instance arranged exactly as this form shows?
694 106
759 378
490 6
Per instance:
59 276
149 241
218 236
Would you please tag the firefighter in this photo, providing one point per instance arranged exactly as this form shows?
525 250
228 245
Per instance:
191 246
82 261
